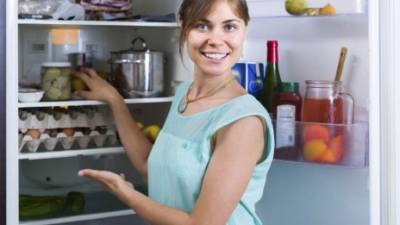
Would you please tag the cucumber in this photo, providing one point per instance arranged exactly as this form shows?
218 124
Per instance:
75 202
42 207
35 207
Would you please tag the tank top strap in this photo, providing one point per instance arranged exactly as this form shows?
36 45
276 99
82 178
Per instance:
245 106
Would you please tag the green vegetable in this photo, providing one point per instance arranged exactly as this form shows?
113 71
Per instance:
75 202
34 207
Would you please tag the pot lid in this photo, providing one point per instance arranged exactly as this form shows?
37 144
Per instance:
56 64
143 47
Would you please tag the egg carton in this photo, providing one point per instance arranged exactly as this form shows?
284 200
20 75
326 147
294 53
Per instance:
94 139
37 119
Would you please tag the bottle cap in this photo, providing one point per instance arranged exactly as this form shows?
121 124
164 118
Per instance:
288 87
272 43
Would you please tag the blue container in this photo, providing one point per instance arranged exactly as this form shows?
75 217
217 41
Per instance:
250 75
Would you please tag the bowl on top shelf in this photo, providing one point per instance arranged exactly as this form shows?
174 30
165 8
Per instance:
30 95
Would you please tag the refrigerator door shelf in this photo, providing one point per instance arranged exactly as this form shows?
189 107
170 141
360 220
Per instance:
334 144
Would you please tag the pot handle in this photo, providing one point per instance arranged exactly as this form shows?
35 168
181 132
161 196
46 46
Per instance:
128 61
144 44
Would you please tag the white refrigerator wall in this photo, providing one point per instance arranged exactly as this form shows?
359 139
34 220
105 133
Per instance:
309 50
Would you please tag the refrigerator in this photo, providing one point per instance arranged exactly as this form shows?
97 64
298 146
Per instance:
355 191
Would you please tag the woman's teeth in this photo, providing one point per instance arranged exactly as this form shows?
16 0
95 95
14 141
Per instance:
215 55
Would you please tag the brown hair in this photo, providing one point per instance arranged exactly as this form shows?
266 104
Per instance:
192 11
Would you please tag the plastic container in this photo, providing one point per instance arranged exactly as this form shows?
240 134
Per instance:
338 144
56 80
56 140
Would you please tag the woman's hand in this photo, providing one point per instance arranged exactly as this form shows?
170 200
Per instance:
112 182
99 89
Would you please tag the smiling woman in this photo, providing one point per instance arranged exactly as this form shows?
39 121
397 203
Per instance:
210 160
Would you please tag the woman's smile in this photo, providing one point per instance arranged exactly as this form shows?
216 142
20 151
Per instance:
215 56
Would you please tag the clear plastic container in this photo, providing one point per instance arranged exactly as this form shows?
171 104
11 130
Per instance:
56 80
338 144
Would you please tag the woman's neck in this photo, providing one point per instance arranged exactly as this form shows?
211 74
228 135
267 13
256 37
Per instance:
204 84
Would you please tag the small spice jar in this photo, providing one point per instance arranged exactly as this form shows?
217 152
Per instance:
56 80
286 109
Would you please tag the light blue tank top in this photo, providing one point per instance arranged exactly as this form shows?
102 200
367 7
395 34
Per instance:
179 157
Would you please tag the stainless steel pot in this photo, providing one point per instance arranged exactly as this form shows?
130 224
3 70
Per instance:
137 72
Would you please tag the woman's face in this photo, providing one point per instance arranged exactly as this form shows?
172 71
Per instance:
215 42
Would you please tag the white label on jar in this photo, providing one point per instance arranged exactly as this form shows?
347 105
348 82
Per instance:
285 125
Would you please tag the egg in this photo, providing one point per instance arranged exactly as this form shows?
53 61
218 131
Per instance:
34 133
68 131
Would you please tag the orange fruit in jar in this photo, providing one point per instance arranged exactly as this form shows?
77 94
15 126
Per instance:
328 157
34 133
337 147
334 152
316 132
314 149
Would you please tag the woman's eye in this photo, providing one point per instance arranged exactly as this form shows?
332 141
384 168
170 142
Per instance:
230 27
201 27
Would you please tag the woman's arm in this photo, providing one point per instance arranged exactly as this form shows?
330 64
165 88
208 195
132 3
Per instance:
239 147
134 141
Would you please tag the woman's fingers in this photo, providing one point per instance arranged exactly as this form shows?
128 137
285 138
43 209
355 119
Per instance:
90 72
84 94
83 76
88 173
112 182
129 184
122 176
98 174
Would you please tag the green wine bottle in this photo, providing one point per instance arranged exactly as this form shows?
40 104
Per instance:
272 77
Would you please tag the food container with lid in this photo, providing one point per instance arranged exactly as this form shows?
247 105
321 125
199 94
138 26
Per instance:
56 80
137 72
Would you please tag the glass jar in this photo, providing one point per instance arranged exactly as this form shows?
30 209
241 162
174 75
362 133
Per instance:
326 108
324 102
56 80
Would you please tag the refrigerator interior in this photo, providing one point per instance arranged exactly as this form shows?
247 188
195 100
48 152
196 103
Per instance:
296 192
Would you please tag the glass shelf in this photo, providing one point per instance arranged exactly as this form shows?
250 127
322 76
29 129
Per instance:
69 153
78 23
276 8
90 102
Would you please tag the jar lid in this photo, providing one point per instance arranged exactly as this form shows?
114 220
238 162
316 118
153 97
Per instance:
287 87
56 64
